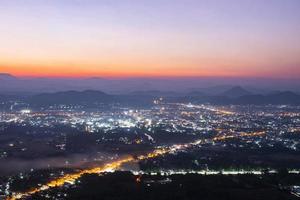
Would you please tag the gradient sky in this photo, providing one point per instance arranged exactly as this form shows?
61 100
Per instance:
239 38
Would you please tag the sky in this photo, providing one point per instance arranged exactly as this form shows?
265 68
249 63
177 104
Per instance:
157 38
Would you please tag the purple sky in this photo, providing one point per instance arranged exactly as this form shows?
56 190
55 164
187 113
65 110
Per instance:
252 38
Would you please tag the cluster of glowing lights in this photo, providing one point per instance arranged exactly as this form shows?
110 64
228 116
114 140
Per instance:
225 137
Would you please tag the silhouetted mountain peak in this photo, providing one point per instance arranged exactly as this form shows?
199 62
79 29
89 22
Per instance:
236 91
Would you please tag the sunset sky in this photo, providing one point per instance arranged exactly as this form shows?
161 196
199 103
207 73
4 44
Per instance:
150 38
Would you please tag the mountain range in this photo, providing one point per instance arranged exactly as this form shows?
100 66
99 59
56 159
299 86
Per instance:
10 84
90 97
49 91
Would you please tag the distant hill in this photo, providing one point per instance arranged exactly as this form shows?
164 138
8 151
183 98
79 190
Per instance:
6 76
211 91
196 94
88 98
278 98
156 93
236 92
71 97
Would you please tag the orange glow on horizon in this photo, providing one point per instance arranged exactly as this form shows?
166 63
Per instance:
35 71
